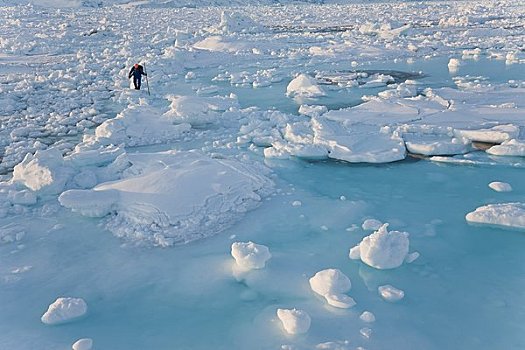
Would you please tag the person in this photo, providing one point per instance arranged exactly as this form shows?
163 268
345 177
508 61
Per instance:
137 71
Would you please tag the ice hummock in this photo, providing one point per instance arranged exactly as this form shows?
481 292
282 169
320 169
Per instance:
510 215
249 255
172 197
294 321
332 284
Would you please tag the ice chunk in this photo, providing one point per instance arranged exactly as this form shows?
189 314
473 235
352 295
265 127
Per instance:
64 310
510 215
235 22
390 293
367 317
304 86
453 65
294 321
500 186
496 134
43 172
511 147
197 110
332 284
249 255
366 332
382 249
83 344
371 224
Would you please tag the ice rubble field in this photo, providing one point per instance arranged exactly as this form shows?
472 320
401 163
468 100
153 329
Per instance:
301 177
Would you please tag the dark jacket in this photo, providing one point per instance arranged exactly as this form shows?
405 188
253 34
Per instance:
136 72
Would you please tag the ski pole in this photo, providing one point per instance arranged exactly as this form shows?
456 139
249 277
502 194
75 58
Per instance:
147 82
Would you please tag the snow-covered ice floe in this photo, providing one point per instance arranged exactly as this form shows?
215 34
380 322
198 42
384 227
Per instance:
83 344
510 215
382 249
294 321
332 284
510 147
500 186
173 197
64 310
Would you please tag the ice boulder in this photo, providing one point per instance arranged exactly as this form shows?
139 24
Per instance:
332 284
511 215
304 86
83 344
43 172
390 293
500 186
294 321
64 310
453 65
382 249
172 197
249 255
367 317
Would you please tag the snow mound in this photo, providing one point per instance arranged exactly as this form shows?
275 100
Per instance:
83 344
500 186
511 215
139 125
510 147
382 249
64 310
390 293
332 284
249 255
43 172
304 86
173 197
294 321
199 111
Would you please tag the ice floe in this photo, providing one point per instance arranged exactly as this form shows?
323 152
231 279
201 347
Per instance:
510 147
367 317
500 186
382 249
83 344
173 197
64 310
294 321
304 86
510 215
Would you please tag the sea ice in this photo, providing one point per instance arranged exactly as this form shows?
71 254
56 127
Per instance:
371 225
304 86
390 293
332 284
249 255
83 344
367 317
294 321
500 186
510 215
511 147
382 249
64 310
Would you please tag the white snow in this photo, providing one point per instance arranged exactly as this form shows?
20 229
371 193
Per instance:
390 293
172 197
83 344
294 321
382 249
500 186
304 86
249 255
332 284
511 215
64 310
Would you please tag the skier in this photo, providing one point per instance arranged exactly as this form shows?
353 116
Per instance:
137 71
